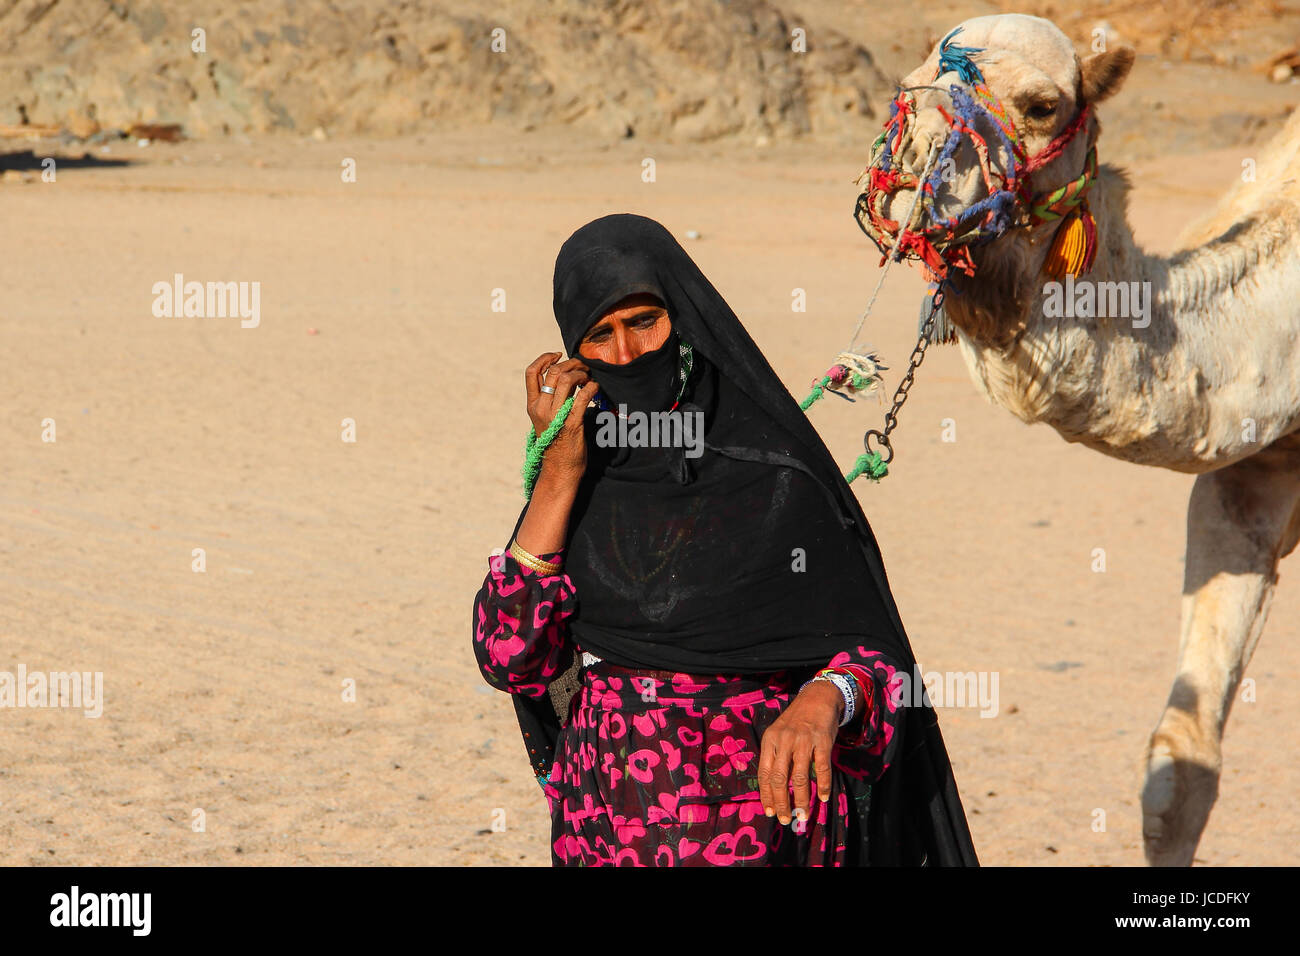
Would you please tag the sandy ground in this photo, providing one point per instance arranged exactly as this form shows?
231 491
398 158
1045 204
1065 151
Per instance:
329 561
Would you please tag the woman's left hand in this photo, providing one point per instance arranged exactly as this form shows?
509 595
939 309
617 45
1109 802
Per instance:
801 737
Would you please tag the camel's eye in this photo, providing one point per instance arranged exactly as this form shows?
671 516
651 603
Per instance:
1040 111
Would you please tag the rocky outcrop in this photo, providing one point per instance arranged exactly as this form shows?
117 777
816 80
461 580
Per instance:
672 69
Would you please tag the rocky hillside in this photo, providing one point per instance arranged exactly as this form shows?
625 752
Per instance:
674 69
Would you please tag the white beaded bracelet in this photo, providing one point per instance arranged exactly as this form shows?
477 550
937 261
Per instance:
847 687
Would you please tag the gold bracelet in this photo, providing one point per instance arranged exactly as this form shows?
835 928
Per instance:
529 560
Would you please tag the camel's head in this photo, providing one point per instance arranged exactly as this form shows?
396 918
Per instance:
1000 114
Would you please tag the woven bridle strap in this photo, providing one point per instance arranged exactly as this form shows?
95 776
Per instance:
1056 147
1058 203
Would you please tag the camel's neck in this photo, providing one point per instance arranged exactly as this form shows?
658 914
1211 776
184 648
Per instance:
1185 363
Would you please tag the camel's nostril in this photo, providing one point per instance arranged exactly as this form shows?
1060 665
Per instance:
916 154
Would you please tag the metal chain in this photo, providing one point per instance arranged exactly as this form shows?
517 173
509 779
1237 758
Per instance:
900 394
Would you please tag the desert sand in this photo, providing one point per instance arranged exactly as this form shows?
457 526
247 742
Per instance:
330 561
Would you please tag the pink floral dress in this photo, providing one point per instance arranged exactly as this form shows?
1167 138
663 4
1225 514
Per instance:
659 768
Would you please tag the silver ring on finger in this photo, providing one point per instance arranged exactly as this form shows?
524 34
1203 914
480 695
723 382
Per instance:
548 390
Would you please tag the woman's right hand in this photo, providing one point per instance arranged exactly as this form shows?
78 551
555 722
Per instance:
566 457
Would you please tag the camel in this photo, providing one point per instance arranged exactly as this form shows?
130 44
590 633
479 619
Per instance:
1206 383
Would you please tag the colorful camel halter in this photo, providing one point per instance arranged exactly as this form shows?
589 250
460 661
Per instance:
941 243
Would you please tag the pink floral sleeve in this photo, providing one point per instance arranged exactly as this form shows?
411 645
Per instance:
520 634
869 743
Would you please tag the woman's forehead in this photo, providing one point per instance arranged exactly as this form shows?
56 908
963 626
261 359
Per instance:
637 302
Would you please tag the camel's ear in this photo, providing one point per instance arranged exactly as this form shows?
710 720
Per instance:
1104 73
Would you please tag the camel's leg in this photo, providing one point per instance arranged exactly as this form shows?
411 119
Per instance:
1240 522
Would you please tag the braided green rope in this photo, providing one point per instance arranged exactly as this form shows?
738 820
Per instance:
536 446
856 382
871 465
815 394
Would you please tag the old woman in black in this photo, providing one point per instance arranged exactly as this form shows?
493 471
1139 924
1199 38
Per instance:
692 615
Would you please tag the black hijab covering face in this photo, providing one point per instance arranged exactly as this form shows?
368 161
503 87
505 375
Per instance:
754 556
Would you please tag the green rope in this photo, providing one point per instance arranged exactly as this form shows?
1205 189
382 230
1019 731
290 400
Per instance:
536 446
815 394
872 465
856 383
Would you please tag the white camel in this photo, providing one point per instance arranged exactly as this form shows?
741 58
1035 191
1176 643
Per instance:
1207 382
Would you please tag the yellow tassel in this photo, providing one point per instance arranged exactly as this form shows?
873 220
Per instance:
1069 249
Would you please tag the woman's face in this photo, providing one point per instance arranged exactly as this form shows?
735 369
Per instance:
636 324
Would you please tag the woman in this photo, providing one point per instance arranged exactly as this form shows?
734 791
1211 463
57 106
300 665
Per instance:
737 638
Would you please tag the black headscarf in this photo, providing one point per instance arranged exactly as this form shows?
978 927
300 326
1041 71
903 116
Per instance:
751 558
